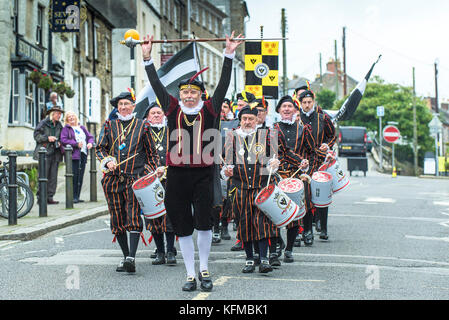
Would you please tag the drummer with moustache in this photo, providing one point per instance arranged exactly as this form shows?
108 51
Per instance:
127 152
248 151
323 132
160 226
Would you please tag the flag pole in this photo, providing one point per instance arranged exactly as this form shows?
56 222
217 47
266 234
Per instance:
130 42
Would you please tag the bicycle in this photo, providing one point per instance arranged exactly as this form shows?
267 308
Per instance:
25 197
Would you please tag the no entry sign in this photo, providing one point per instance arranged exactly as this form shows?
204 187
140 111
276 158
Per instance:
391 134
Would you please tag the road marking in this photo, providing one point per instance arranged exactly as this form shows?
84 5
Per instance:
86 232
437 220
8 245
223 279
441 203
381 200
446 239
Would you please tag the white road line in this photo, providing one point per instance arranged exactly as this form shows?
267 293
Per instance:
86 232
381 200
441 203
446 239
437 220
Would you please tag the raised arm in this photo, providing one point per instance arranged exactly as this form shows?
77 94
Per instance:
161 92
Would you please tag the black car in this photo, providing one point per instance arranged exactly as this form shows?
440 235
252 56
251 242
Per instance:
352 141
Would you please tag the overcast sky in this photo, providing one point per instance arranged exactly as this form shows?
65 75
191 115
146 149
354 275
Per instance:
408 33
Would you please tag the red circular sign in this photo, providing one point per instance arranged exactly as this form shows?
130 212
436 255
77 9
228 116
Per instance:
391 134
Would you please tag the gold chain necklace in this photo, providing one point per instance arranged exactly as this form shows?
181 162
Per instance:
188 122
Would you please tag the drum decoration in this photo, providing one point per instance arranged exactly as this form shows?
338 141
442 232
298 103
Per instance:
150 194
276 205
339 179
321 187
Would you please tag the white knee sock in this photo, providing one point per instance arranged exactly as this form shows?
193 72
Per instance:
204 242
188 254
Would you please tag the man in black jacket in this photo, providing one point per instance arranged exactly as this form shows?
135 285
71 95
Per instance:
47 135
190 166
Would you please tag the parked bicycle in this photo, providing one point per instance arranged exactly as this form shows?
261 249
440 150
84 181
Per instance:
25 197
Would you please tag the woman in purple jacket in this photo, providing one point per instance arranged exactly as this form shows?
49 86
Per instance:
81 140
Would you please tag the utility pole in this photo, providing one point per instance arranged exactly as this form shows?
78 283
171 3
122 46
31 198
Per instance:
284 52
336 70
437 104
345 83
321 72
415 130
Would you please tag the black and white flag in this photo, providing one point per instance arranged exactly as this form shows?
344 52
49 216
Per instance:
350 105
183 65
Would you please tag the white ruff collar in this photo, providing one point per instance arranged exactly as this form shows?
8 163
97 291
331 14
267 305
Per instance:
290 122
244 134
126 118
159 125
308 113
193 110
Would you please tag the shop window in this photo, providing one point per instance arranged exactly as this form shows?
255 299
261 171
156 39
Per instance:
14 104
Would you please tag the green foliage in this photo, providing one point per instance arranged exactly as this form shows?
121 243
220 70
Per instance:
325 98
398 104
33 176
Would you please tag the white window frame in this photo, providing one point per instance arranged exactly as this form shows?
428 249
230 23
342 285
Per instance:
96 41
15 16
40 25
86 38
15 103
30 103
106 51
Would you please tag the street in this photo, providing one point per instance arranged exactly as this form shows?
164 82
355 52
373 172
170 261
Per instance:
388 239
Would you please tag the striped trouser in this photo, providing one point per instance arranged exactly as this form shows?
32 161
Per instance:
124 209
253 224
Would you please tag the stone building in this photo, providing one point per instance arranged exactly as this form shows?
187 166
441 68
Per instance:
26 44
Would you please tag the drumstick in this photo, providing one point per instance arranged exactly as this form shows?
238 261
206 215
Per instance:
295 172
269 176
123 161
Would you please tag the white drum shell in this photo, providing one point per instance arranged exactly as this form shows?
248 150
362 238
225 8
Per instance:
150 197
321 191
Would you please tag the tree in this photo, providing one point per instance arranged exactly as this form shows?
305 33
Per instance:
398 103
325 98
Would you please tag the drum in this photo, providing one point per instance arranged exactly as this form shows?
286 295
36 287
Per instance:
321 187
294 188
339 179
276 205
150 194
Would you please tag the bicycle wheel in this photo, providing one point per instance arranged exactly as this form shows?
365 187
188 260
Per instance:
25 199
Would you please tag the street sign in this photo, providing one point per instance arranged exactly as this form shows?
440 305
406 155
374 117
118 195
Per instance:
391 134
380 111
435 125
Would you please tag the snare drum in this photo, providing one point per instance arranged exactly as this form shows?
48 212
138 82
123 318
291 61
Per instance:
321 187
150 194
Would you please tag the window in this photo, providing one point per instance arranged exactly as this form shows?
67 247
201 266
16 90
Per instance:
106 52
29 102
95 41
41 105
14 104
86 38
209 26
39 26
175 17
217 29
203 17
76 40
196 12
15 17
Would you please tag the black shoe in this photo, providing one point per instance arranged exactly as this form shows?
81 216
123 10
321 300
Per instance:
274 260
297 242
237 246
154 254
51 201
160 259
75 201
256 259
288 256
318 226
216 238
225 234
130 265
206 281
323 235
249 267
120 267
171 259
79 200
265 267
308 238
190 285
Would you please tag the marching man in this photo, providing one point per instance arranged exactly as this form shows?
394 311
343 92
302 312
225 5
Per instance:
190 160
126 152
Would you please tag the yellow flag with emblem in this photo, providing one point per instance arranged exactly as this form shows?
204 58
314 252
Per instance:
262 68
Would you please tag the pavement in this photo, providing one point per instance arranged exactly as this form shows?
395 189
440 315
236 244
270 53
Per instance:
32 226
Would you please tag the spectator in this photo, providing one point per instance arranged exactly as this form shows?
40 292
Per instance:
47 135
53 101
81 140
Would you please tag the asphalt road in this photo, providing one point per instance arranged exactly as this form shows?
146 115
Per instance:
388 240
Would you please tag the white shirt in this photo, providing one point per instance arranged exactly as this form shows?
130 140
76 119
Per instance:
80 136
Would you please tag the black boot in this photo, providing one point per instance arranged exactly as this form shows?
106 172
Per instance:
288 256
265 266
308 238
190 284
129 265
274 260
225 233
249 267
206 281
120 267
160 259
171 259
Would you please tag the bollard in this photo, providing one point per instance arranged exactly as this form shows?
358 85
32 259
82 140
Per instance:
42 182
12 188
93 175
68 177
93 163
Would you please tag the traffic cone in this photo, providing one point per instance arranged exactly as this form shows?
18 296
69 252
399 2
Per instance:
394 173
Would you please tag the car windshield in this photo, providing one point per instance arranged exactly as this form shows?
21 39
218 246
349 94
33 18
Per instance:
352 135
